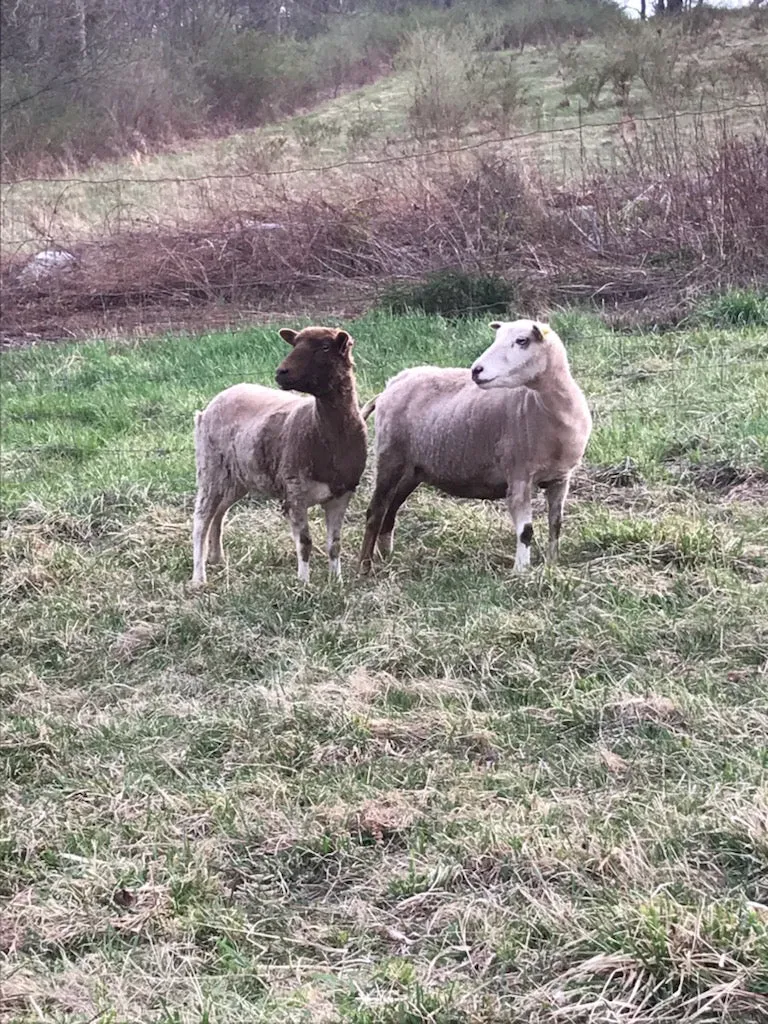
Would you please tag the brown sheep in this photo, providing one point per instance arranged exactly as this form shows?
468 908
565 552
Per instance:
301 450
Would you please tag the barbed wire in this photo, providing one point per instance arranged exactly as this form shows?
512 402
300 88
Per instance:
75 380
394 158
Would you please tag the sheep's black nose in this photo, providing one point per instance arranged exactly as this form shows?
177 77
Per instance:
477 371
281 374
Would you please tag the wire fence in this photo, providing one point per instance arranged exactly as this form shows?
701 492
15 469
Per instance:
422 153
275 237
688 198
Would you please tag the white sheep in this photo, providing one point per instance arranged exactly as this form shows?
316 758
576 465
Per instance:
515 421
301 450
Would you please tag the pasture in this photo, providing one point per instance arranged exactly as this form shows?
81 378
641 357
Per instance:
440 794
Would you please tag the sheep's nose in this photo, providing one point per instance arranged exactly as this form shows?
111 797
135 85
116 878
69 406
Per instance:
281 374
477 372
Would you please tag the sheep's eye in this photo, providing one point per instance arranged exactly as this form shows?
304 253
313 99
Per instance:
523 342
326 347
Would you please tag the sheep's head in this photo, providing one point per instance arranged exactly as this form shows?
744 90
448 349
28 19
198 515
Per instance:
518 355
321 360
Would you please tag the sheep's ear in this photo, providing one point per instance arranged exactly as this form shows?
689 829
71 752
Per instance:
343 341
537 334
288 335
495 325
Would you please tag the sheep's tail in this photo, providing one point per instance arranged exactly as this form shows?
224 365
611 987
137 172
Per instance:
368 408
198 441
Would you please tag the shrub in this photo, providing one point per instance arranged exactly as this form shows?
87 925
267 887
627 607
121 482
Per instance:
454 84
660 70
616 63
361 129
452 293
589 86
251 75
447 78
311 132
737 308
507 95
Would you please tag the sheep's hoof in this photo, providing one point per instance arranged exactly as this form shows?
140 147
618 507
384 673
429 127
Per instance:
195 586
384 546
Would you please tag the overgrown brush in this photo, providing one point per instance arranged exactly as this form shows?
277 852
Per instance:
452 293
677 221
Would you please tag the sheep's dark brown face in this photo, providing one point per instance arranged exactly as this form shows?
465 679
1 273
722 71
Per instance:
320 363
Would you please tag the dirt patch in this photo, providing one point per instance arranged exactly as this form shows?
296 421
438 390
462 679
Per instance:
722 478
385 818
41 322
619 486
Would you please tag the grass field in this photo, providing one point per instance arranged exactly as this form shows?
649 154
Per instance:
442 794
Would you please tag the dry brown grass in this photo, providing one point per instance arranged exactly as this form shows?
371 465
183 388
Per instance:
661 232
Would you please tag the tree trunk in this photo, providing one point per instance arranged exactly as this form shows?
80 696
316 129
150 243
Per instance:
81 34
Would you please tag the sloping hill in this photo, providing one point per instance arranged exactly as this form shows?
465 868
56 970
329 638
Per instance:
578 104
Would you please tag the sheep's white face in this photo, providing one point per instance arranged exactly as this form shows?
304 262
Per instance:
516 356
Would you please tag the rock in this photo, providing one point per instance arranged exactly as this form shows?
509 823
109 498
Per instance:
46 263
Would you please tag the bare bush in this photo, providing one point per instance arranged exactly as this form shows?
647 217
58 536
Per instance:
679 217
455 85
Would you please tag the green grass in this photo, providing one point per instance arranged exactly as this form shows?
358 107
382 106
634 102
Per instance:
441 794
737 308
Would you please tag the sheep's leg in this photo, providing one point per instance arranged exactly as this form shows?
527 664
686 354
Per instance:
557 492
387 529
519 505
387 483
215 548
297 516
206 504
335 510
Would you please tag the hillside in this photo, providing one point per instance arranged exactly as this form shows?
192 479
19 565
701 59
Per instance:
605 87
603 131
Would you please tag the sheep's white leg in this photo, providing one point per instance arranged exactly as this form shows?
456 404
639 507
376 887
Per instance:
557 492
335 510
302 539
206 505
519 506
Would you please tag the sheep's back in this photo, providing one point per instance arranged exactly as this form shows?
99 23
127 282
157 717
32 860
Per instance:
245 427
442 424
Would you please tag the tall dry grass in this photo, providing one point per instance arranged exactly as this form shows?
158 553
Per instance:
681 211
